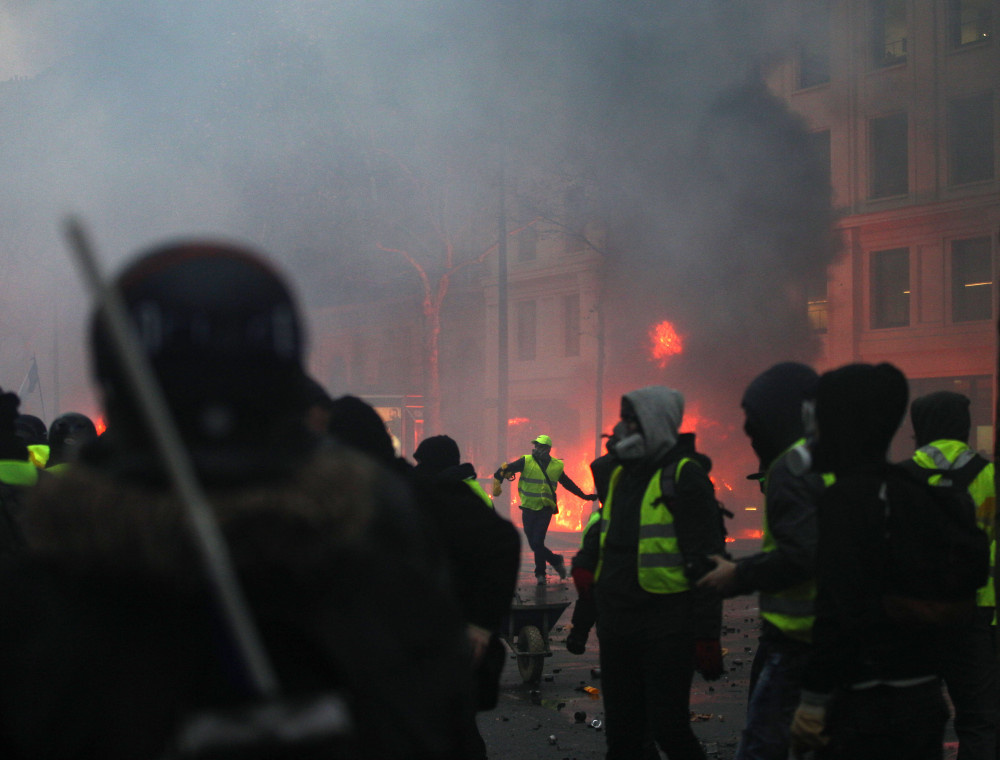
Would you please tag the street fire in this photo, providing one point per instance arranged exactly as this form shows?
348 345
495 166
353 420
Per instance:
666 343
517 421
101 425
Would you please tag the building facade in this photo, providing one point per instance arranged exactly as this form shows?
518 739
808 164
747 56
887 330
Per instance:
901 97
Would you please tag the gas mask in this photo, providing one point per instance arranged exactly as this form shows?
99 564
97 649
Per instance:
629 446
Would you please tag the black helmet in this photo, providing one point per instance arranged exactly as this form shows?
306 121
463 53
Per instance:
68 434
222 333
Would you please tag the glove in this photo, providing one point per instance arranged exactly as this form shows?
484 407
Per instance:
708 658
496 487
583 579
576 641
808 728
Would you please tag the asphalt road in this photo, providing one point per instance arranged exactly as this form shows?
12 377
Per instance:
542 722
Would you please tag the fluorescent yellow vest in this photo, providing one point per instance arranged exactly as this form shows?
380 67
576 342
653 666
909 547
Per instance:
477 489
660 562
948 454
792 610
532 490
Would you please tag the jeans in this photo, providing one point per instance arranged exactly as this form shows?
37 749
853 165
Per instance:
536 526
775 686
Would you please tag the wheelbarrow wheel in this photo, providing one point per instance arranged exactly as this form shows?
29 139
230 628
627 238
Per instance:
531 654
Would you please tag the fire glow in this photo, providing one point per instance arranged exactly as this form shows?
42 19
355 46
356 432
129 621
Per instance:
666 343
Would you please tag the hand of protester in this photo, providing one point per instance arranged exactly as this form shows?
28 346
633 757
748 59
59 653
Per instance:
497 490
479 641
583 579
808 729
708 658
721 578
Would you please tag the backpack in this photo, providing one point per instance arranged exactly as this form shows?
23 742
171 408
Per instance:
937 557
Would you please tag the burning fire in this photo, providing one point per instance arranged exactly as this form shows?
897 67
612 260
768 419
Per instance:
101 425
665 343
514 421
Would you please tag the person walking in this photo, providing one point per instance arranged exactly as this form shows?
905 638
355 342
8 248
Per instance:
659 523
784 570
941 428
541 474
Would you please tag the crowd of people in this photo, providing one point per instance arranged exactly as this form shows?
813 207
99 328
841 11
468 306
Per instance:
123 634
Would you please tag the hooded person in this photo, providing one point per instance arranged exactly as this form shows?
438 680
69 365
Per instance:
784 570
941 428
659 523
870 686
112 643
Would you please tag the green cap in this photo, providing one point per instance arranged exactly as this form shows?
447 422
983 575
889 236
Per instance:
543 439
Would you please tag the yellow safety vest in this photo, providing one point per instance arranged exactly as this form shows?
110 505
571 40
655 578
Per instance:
477 489
660 562
17 472
946 454
792 610
39 453
532 489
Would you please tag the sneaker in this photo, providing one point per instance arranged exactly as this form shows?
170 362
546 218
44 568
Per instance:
560 567
540 578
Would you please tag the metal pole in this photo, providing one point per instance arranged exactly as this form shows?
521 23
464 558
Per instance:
503 389
171 448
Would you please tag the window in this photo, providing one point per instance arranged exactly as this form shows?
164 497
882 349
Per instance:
571 310
819 146
888 32
971 279
889 152
814 55
970 139
818 302
526 330
527 244
969 21
890 288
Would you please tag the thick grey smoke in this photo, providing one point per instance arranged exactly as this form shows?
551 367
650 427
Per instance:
305 128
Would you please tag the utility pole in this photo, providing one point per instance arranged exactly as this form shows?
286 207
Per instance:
502 336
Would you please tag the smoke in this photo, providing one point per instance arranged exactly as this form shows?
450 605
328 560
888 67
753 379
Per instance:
320 131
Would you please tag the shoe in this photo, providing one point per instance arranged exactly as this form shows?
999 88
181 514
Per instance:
540 579
560 567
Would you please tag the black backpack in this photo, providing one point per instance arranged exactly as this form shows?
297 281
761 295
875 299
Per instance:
937 556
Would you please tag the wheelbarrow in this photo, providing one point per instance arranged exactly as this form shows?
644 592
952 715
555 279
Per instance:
525 629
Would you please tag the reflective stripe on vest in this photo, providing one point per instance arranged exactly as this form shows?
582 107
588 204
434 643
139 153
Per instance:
660 562
947 454
532 490
478 490
16 472
792 610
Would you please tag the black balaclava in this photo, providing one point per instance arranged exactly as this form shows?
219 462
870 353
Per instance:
859 407
940 415
773 407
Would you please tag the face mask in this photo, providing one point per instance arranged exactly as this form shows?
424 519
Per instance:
630 445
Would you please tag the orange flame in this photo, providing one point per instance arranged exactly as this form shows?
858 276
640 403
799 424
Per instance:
665 343
517 421
101 425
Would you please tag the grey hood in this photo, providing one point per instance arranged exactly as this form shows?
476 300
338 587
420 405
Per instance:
659 410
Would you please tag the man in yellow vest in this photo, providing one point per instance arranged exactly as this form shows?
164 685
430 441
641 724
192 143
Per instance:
541 474
784 570
659 523
941 427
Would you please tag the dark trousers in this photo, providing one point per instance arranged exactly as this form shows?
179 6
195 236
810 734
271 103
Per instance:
536 526
775 690
887 722
646 674
970 673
